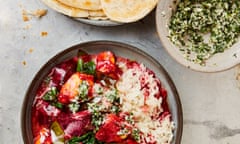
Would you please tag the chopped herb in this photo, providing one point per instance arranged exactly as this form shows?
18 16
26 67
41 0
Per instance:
74 107
112 95
115 109
129 118
86 67
202 28
80 65
88 138
91 140
76 140
99 90
97 116
90 67
51 95
58 105
83 91
123 132
136 134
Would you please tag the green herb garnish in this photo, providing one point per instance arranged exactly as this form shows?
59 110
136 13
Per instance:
88 138
202 28
83 91
58 105
51 95
80 65
97 115
115 109
76 140
112 95
86 67
74 107
136 134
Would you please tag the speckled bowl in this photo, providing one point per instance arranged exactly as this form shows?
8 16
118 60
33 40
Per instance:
218 62
119 49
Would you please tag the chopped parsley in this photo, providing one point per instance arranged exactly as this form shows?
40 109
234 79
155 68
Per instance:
83 91
111 95
129 119
97 115
136 134
74 107
202 28
51 95
123 132
99 109
115 109
98 89
57 104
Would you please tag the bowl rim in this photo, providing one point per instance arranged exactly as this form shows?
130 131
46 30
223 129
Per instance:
26 107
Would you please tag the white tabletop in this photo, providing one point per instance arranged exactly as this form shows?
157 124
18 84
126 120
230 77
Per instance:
211 101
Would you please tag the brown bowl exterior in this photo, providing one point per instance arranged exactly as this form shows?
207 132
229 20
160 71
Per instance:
119 49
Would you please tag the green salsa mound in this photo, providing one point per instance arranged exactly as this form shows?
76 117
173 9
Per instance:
202 28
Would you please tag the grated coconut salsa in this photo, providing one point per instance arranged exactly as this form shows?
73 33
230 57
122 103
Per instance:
202 28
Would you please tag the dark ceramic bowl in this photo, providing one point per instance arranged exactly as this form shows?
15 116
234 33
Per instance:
119 49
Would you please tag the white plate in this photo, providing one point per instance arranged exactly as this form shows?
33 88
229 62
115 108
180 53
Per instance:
103 23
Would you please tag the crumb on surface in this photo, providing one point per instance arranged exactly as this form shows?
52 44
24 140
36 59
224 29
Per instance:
27 15
44 33
20 5
24 63
25 18
40 12
27 27
31 50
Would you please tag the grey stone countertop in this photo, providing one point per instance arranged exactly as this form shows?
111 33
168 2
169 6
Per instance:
211 101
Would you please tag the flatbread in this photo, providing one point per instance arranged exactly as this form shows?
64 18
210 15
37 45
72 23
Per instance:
127 10
98 18
71 11
96 13
83 4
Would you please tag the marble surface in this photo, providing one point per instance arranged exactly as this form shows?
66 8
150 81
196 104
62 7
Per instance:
210 100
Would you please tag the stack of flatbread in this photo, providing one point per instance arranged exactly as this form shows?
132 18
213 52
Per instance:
123 11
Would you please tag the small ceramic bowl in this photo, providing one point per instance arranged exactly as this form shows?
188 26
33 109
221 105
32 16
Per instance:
218 62
119 49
